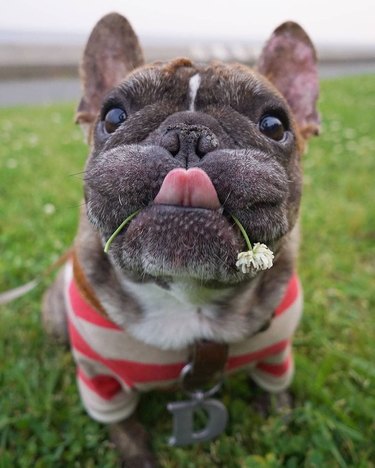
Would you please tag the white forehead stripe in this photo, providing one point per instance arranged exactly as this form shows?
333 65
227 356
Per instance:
194 84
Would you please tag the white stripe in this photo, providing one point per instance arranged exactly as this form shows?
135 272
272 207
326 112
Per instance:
117 344
282 328
194 84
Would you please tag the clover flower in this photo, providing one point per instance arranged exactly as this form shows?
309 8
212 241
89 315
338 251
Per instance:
258 257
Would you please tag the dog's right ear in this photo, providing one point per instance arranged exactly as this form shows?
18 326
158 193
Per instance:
112 51
289 61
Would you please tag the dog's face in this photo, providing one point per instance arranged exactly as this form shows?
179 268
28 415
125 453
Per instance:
191 145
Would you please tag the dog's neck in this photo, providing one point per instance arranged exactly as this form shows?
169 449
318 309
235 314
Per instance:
174 314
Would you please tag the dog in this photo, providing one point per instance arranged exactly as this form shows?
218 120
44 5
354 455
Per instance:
183 148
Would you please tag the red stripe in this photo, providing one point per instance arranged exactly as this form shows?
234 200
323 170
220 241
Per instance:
238 361
290 296
83 310
276 370
129 372
103 385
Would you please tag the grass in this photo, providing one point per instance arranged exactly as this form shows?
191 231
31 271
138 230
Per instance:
42 423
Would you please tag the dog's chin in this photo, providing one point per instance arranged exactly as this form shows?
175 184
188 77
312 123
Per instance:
180 242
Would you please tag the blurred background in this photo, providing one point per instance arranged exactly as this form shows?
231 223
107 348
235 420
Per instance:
41 41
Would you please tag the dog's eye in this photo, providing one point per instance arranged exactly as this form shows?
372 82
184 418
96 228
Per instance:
113 119
272 127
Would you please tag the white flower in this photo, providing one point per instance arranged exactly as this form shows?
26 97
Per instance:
244 261
49 209
259 258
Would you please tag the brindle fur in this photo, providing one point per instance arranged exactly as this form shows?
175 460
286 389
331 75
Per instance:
125 172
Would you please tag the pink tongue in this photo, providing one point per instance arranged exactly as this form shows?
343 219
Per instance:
190 187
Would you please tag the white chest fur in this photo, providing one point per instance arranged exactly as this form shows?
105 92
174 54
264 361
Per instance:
175 318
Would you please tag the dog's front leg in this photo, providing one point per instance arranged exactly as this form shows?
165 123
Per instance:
131 441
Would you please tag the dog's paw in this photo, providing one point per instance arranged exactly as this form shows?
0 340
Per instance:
265 403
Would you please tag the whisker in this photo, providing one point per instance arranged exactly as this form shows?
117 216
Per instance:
223 262
85 179
75 174
227 197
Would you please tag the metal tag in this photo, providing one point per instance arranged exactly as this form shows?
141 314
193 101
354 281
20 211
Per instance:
183 421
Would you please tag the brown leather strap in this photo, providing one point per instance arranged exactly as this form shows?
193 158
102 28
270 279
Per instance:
59 262
84 286
207 361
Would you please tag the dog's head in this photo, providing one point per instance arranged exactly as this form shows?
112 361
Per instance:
191 145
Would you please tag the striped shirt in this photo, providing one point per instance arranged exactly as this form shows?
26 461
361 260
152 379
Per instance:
113 367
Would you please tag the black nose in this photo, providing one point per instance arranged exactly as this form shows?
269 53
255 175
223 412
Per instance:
189 143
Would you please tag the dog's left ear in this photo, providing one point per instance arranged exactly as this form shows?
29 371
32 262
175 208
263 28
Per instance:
112 51
288 60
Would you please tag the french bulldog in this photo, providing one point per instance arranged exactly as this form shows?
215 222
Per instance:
183 148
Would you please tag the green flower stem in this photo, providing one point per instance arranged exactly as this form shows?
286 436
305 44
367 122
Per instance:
114 235
242 229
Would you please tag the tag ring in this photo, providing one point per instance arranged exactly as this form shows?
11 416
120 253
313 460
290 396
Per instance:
198 395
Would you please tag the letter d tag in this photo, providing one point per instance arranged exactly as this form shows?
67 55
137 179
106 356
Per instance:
183 421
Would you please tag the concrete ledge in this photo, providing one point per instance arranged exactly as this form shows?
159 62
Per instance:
34 60
36 74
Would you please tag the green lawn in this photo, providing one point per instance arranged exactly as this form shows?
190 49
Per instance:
42 423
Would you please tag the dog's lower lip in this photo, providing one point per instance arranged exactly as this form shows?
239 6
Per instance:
186 207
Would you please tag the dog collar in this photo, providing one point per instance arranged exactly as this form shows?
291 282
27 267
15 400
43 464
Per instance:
84 287
206 364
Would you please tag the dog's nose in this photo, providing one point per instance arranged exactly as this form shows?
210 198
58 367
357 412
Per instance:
189 143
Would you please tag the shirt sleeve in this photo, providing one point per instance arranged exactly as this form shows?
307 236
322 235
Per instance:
275 373
103 396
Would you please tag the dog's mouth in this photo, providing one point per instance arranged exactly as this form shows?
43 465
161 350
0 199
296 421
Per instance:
180 241
183 233
185 228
